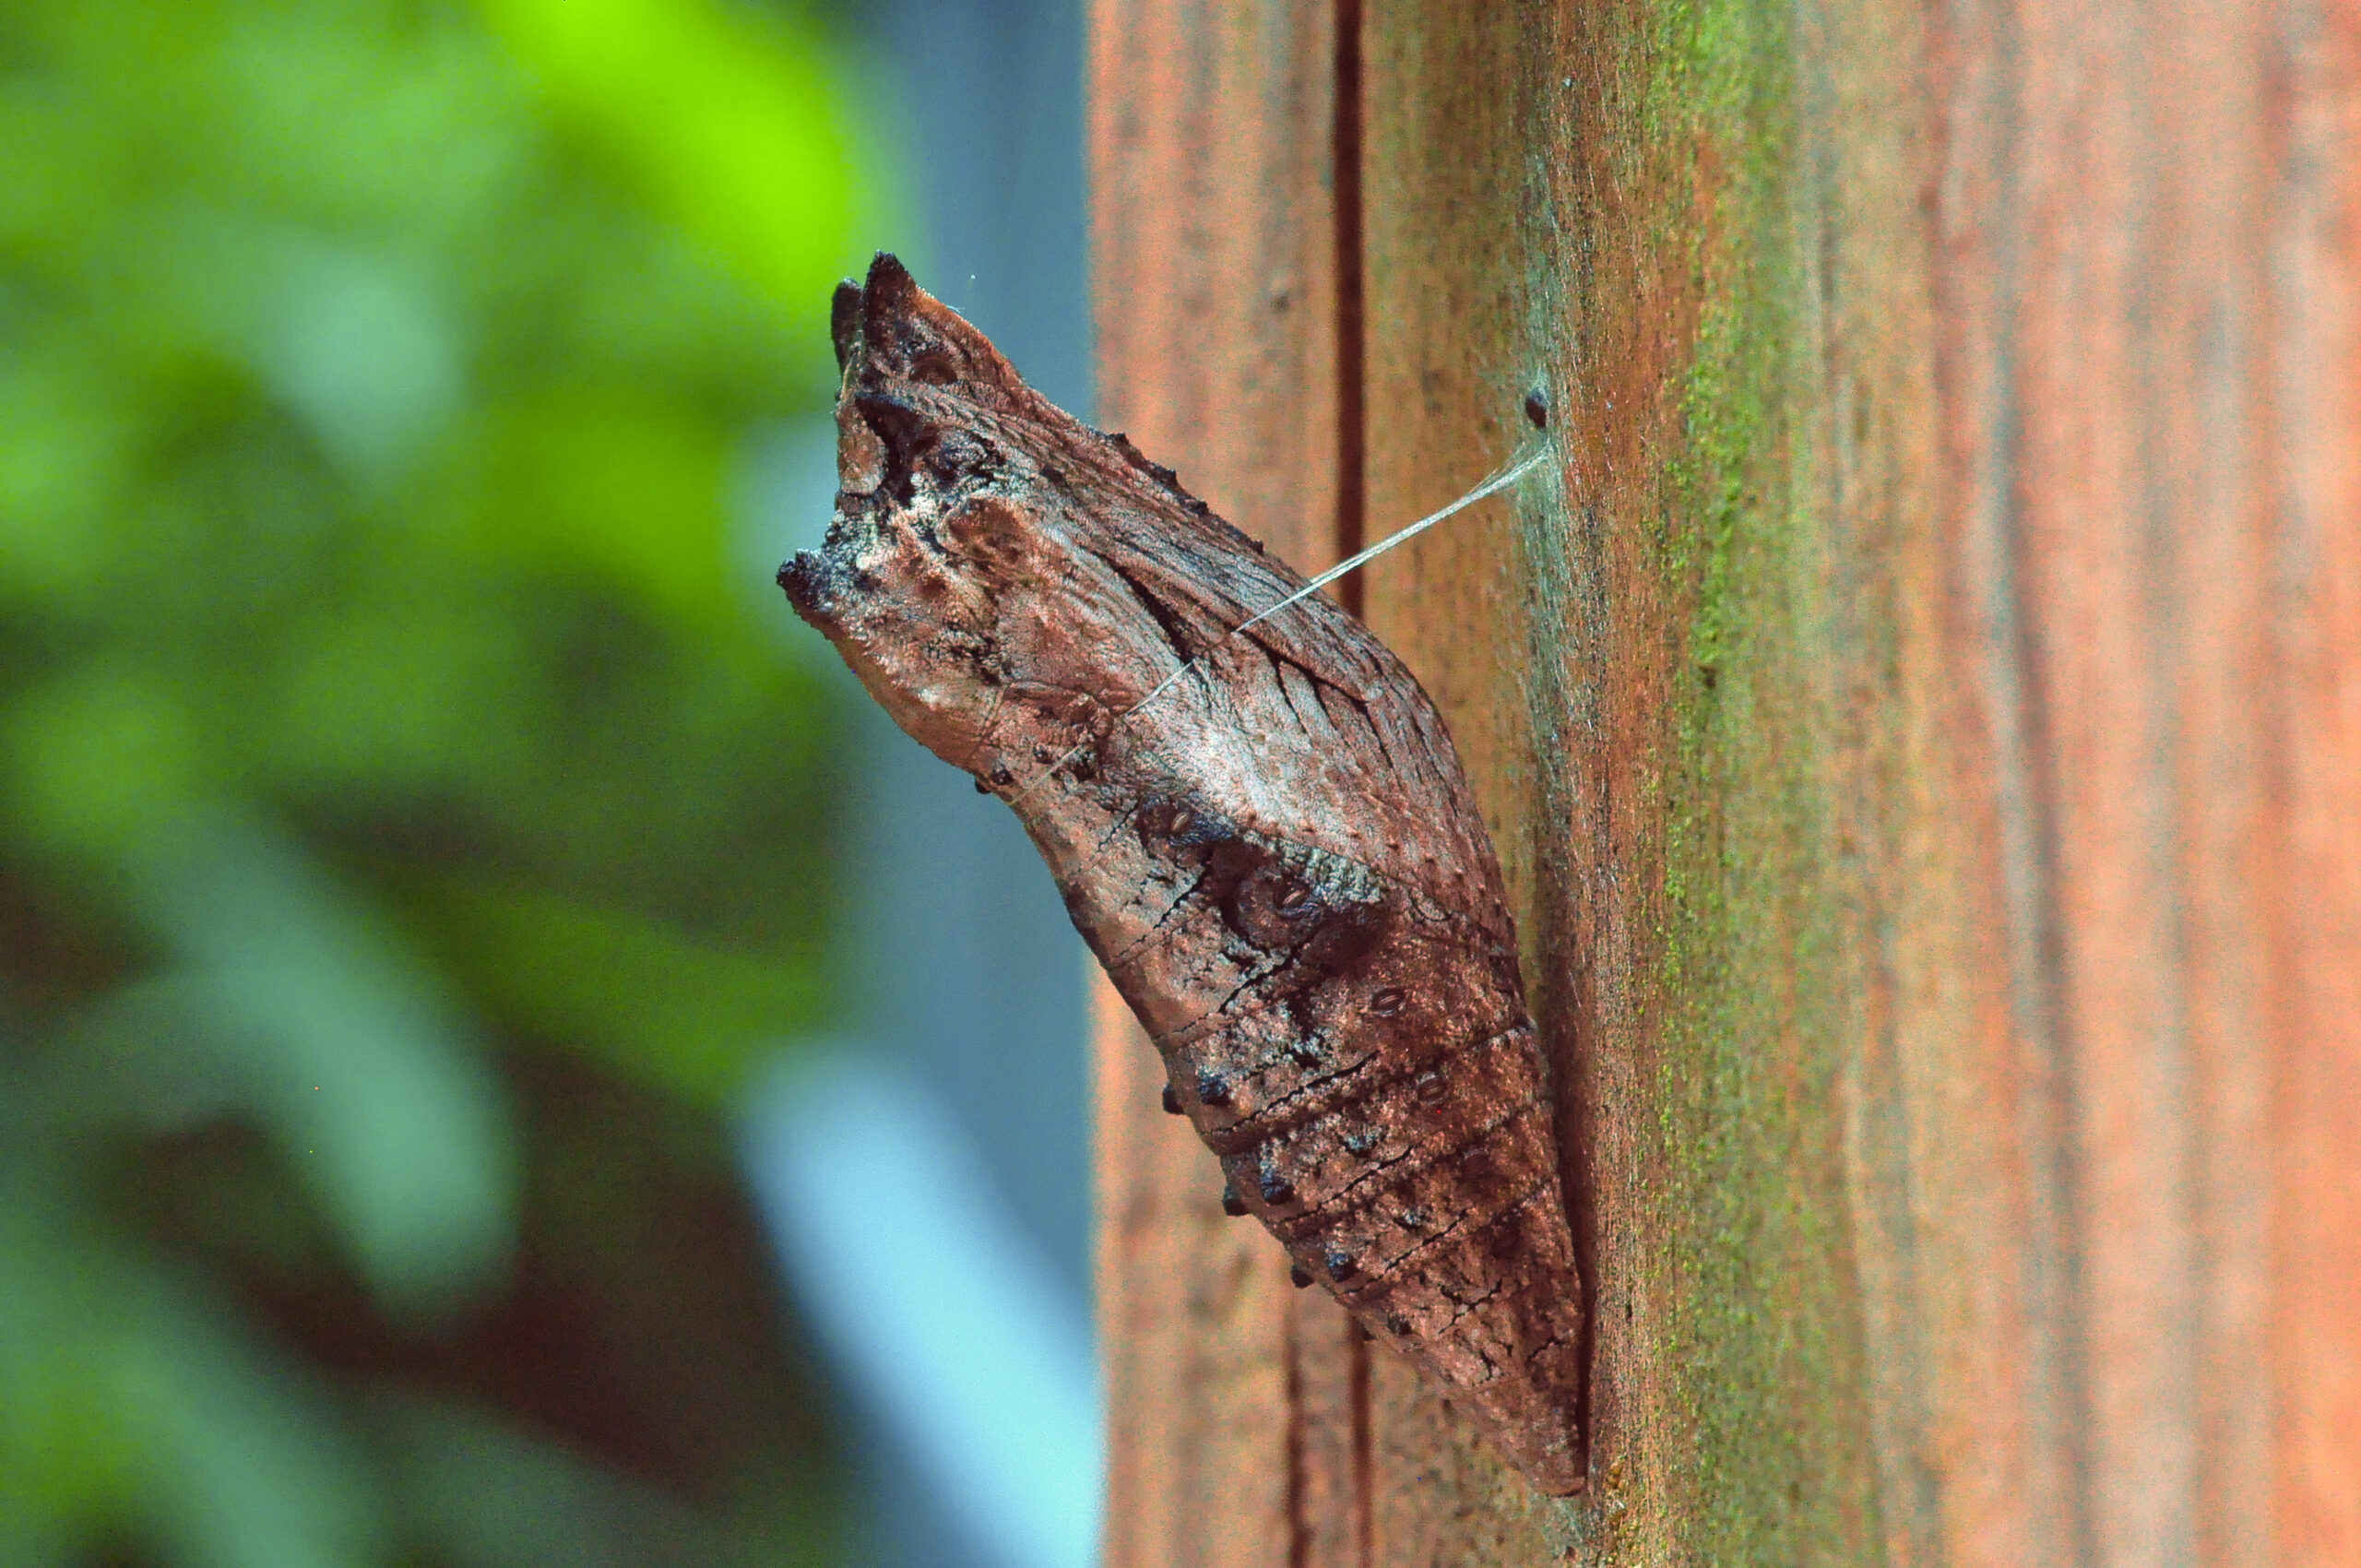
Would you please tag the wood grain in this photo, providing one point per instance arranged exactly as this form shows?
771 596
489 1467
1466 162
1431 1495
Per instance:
1442 102
1238 1405
1921 716
2314 314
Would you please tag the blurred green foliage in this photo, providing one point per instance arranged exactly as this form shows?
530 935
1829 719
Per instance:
409 834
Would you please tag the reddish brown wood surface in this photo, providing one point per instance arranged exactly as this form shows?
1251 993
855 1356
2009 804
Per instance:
1240 1405
2312 1319
1921 716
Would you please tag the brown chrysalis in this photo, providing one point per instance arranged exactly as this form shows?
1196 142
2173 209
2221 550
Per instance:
1277 859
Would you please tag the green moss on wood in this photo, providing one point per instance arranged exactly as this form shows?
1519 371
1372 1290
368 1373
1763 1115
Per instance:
1767 1347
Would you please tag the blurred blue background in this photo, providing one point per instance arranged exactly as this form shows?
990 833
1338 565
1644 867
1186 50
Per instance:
504 1057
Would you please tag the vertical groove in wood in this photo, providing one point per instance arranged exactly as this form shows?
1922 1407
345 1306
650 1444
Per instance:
1217 255
1351 292
1329 1428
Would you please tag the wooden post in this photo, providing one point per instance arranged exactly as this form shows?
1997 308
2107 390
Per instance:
1920 715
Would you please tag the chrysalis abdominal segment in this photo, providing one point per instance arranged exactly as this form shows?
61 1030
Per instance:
1499 479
